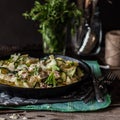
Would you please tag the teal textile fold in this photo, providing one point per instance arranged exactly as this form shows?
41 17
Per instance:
74 106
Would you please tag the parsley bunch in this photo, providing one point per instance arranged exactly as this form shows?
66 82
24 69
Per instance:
53 16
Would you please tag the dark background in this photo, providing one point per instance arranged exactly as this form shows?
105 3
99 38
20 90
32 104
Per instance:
15 30
110 15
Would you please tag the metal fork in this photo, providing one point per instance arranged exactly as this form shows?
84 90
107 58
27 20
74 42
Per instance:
98 93
109 77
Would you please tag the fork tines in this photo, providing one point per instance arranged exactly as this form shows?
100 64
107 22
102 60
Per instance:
109 77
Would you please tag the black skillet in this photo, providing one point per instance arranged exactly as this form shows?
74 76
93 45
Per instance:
49 92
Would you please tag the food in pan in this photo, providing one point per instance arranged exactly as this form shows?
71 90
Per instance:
27 72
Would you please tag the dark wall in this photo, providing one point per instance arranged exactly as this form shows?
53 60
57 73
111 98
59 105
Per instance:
14 29
110 15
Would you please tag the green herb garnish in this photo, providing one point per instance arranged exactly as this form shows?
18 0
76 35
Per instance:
51 80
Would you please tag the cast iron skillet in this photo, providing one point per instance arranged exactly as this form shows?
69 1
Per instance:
49 92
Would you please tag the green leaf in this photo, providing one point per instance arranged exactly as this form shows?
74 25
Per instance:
51 80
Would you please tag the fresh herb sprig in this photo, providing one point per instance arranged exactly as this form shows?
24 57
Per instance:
51 80
53 16
53 12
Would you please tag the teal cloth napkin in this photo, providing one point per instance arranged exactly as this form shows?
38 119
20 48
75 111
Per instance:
74 106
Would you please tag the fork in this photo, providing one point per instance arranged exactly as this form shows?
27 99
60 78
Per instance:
109 77
98 93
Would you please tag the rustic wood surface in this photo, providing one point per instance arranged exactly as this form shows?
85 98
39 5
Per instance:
111 113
